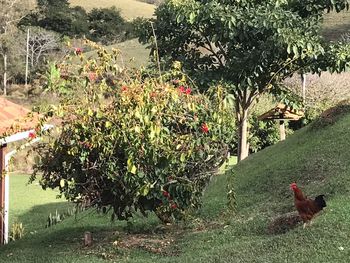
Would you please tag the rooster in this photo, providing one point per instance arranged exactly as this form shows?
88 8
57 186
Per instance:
307 208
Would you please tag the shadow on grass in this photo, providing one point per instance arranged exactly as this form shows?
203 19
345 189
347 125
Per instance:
63 242
58 244
36 218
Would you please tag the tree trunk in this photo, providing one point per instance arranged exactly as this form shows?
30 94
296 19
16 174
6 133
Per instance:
32 58
243 136
244 102
5 75
27 59
303 87
282 131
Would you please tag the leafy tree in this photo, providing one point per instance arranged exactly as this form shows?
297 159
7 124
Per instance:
131 145
58 16
107 25
250 46
12 11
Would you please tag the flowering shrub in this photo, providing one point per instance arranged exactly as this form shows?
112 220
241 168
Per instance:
131 144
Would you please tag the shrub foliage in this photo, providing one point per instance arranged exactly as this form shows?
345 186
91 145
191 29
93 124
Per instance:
131 144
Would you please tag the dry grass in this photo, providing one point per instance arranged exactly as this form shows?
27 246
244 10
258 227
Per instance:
330 88
336 24
129 8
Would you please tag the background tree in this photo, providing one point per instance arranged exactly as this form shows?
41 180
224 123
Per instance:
58 16
12 11
107 25
250 46
41 43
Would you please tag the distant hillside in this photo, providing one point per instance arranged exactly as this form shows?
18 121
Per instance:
327 88
133 54
129 8
155 2
336 24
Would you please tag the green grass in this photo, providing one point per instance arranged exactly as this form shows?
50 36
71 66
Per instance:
130 9
133 54
30 205
316 157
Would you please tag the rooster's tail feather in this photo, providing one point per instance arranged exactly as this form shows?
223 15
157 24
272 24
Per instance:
319 200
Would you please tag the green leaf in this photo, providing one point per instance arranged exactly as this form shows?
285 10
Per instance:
62 182
180 18
183 157
289 49
108 124
90 112
137 114
152 134
296 51
154 109
309 47
144 190
133 169
192 18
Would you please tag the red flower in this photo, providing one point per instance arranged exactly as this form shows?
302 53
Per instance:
182 89
78 51
166 194
92 76
205 128
188 91
124 88
152 94
86 144
170 178
173 206
32 135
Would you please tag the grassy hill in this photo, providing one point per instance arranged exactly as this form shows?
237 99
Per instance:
336 24
129 8
316 157
133 54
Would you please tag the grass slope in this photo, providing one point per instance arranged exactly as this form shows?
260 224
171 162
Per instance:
130 9
133 54
318 159
336 24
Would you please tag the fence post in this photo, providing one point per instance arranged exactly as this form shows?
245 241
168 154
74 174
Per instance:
2 193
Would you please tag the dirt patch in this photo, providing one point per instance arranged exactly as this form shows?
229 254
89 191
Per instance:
157 244
162 240
332 115
284 223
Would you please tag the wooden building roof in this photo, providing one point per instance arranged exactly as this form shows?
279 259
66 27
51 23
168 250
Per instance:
282 112
14 118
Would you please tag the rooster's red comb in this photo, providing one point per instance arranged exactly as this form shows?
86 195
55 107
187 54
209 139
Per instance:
293 185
